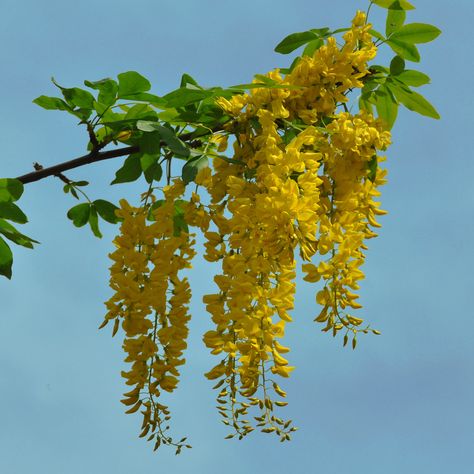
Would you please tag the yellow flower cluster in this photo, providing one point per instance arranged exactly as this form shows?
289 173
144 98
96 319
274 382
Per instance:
151 300
303 176
346 214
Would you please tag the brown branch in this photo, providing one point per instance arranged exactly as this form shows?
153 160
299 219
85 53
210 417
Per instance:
95 156
92 157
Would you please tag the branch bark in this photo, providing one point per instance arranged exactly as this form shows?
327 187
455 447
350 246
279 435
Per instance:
92 157
96 155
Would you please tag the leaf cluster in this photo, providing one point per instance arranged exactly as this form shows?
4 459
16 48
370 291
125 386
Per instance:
10 191
387 88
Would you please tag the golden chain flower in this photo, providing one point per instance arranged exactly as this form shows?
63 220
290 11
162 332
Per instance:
302 178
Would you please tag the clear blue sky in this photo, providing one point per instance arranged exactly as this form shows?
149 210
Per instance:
401 403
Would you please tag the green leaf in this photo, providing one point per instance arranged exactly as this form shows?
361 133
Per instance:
51 103
339 30
79 98
187 79
147 125
292 66
265 82
414 101
410 77
107 88
94 221
106 210
379 69
377 35
364 102
395 19
323 32
106 114
173 142
149 98
192 167
10 189
150 143
312 46
14 235
268 81
131 83
184 96
394 4
151 168
141 111
407 51
130 170
372 166
167 135
416 33
69 188
387 107
6 259
79 214
294 41
12 212
397 66
179 222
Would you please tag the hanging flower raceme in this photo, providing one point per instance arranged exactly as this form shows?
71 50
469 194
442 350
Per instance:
301 183
306 181
151 300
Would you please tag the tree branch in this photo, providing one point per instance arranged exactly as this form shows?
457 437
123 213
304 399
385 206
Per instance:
96 155
81 161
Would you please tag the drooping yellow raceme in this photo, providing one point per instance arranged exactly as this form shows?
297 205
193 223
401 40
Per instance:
302 180
151 300
307 181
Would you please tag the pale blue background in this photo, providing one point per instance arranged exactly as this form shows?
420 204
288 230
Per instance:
401 403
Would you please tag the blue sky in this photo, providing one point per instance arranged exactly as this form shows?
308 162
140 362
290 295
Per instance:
402 402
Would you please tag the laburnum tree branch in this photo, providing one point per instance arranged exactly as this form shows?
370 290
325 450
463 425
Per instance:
92 157
96 155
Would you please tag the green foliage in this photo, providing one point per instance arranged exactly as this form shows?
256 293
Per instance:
130 171
193 166
386 105
10 191
295 41
10 211
107 88
167 134
89 213
415 33
386 88
314 37
151 167
6 259
51 103
394 4
106 210
412 100
413 78
79 214
131 83
406 50
395 20
372 166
